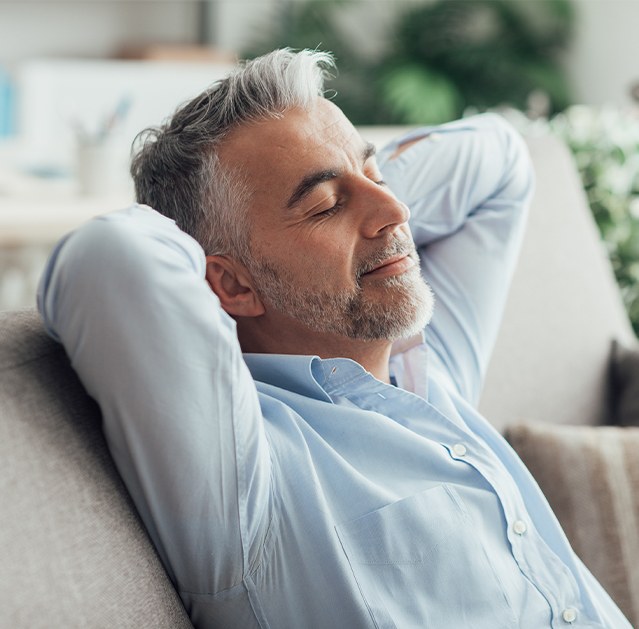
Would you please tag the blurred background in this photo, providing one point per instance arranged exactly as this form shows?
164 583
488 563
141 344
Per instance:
80 78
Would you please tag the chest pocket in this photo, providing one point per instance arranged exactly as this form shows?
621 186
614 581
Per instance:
419 564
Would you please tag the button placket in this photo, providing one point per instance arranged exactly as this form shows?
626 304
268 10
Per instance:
521 530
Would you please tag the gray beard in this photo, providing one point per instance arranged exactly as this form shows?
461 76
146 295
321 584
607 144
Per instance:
401 310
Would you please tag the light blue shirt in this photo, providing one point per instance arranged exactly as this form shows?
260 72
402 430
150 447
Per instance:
295 492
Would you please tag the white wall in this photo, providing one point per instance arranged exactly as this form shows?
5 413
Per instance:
241 22
90 28
604 60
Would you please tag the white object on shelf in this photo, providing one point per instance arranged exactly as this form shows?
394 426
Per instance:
58 96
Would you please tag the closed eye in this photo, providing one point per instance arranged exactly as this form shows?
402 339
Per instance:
338 206
330 211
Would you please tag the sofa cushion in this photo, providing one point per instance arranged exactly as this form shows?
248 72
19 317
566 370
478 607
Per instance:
74 553
590 476
625 384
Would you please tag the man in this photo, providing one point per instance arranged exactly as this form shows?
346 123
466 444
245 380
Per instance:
300 457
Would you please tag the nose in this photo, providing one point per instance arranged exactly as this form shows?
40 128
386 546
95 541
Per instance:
384 212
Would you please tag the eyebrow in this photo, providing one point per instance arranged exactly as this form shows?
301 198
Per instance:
310 182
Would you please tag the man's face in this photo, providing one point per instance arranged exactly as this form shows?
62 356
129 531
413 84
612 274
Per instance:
330 245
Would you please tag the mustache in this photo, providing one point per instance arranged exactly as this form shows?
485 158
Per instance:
404 247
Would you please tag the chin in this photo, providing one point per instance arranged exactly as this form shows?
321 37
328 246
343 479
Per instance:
404 309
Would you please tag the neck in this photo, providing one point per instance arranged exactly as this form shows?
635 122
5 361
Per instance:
294 338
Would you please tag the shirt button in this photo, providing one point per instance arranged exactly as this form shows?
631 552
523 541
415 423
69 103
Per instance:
460 449
520 527
569 614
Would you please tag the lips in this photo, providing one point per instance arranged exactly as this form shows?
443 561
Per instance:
395 265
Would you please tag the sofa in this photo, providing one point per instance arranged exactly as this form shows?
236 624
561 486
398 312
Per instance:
74 552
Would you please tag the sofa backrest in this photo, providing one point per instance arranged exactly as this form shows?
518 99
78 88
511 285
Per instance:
73 551
550 363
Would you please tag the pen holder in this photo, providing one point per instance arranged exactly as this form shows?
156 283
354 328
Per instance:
98 166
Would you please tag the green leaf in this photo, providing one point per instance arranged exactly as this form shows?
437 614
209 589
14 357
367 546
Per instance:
420 96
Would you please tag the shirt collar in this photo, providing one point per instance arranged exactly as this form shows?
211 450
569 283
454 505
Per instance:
310 376
317 378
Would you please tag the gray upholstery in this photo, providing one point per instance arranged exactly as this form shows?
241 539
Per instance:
73 553
551 358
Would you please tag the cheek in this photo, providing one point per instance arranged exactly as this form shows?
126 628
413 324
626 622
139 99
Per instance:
320 254
334 253
324 263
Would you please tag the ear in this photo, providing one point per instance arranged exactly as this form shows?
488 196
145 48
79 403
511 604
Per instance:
231 282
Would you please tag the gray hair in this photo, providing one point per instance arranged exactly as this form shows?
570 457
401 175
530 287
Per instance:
177 170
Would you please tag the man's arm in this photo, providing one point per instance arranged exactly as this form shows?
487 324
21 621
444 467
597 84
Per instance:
467 184
125 294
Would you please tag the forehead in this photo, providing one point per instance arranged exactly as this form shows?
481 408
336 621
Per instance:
276 152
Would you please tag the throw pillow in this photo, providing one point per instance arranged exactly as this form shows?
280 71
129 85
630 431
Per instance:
590 476
624 375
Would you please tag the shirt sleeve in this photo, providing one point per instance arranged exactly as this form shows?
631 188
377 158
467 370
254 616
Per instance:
126 296
468 185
